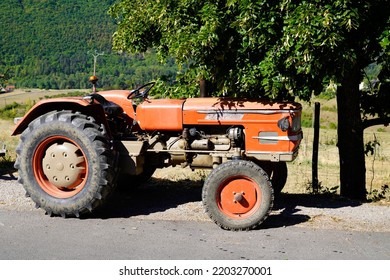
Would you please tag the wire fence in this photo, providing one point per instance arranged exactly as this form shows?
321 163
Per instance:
300 170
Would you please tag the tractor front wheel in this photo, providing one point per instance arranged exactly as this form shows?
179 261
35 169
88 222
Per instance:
237 195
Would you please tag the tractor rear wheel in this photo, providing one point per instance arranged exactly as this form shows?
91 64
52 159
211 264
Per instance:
237 195
65 163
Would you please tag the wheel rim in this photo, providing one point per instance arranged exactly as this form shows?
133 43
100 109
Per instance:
238 197
60 167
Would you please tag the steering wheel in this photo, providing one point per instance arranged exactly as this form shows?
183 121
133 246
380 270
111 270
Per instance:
141 91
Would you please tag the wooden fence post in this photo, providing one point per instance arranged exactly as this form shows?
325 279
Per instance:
315 147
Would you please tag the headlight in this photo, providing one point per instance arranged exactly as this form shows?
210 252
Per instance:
284 124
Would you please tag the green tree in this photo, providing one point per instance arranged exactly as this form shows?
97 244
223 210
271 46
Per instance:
5 75
36 54
273 49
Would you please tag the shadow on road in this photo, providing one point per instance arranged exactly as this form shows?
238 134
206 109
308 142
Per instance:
287 206
9 177
159 195
6 169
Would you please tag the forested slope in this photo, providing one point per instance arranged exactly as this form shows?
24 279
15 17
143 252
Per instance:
50 44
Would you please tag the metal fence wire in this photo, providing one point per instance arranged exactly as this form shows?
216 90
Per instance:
300 170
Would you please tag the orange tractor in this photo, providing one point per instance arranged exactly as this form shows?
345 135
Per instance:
73 149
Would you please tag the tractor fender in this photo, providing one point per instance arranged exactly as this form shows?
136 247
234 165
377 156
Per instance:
78 104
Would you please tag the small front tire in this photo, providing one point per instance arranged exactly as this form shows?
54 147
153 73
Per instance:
237 195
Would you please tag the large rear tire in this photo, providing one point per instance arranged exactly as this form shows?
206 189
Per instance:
65 163
237 195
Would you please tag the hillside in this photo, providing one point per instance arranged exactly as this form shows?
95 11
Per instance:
49 44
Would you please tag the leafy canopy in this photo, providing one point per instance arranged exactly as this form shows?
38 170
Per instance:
274 49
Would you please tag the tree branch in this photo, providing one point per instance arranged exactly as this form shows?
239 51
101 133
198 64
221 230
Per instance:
378 121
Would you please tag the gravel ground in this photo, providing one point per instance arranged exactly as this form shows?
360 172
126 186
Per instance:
180 199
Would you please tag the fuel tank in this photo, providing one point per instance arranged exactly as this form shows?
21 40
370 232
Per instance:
160 114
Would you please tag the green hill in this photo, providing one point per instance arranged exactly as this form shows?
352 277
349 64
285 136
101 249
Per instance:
50 44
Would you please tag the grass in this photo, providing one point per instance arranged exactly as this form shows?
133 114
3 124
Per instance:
300 170
25 96
377 164
300 176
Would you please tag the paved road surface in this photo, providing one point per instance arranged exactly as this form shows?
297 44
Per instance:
165 221
32 235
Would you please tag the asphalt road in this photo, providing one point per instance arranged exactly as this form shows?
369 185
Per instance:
30 235
165 221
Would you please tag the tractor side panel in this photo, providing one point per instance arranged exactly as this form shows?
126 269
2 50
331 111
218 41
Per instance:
160 114
259 120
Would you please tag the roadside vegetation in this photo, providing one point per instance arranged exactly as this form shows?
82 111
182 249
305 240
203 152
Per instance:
65 57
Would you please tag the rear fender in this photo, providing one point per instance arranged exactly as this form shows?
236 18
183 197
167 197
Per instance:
58 104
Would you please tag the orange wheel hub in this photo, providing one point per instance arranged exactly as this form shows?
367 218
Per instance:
238 197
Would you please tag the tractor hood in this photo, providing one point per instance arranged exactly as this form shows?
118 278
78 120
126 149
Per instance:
206 110
235 104
173 114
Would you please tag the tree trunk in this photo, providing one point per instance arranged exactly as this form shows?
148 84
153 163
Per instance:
350 139
204 88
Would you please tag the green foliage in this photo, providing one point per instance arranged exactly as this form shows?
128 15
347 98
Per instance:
327 94
322 190
68 94
274 49
371 146
377 195
223 42
332 125
57 57
329 109
307 119
11 111
4 75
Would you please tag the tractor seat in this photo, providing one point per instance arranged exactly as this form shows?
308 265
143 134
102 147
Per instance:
109 107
